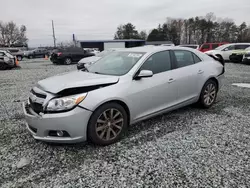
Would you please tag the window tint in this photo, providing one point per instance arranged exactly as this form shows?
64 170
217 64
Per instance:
157 63
214 46
196 58
241 47
2 53
183 58
205 46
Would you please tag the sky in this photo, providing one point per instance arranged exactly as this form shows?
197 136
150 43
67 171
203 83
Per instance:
98 19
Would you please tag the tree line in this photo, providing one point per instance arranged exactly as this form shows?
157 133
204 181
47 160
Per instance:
194 30
12 36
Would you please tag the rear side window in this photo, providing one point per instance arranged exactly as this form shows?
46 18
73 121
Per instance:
215 46
183 58
158 62
205 46
196 58
241 46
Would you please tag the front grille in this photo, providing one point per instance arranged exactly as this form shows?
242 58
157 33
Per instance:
36 100
36 106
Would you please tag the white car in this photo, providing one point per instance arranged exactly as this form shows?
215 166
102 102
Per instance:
194 46
226 50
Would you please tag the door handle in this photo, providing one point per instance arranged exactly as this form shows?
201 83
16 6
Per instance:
171 80
200 72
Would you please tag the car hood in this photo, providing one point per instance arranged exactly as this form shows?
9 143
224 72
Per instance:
75 79
89 60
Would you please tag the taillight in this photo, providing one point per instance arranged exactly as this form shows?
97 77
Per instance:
59 53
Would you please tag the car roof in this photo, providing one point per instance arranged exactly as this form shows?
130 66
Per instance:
153 49
148 49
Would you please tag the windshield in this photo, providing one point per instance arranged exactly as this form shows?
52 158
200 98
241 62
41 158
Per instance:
116 63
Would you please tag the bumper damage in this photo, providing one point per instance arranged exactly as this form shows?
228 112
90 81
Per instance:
45 126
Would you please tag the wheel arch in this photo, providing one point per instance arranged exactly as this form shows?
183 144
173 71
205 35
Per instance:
120 102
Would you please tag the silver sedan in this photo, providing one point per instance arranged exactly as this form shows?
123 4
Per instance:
125 87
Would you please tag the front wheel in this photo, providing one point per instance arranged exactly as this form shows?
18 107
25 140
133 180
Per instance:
107 124
208 94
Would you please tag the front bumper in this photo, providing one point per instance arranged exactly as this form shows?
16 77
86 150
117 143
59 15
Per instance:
74 122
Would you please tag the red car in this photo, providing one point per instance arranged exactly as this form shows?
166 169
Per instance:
210 46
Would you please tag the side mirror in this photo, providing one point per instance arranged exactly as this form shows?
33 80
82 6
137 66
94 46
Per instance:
144 74
226 49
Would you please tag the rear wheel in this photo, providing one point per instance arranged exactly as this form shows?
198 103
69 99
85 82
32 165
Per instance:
19 58
67 61
30 57
107 124
208 94
3 66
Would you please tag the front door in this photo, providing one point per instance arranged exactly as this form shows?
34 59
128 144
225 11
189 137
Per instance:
154 94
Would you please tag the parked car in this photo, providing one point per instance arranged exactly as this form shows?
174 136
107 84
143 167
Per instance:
16 52
85 62
210 46
246 56
36 53
237 56
69 55
120 89
7 61
194 46
225 51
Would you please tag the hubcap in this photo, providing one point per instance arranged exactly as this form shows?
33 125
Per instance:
209 94
109 124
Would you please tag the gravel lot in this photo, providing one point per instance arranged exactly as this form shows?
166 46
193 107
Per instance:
189 147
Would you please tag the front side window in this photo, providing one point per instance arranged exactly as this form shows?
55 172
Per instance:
116 63
232 47
158 62
183 58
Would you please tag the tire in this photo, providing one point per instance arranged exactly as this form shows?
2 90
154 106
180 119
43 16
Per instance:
3 66
19 58
30 57
67 61
219 56
210 88
105 125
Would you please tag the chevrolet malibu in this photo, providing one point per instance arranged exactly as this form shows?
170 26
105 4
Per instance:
98 103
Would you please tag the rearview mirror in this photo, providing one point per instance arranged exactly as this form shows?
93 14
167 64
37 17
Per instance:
144 74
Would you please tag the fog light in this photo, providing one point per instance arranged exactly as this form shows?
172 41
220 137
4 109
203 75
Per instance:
59 133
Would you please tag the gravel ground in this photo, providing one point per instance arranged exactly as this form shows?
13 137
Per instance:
189 147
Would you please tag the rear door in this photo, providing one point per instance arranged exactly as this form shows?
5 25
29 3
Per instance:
188 72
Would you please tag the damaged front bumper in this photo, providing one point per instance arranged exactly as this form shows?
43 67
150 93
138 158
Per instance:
73 124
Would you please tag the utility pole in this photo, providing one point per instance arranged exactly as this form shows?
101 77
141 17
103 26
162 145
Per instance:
54 37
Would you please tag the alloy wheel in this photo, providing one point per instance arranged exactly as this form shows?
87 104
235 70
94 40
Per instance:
68 61
109 124
209 94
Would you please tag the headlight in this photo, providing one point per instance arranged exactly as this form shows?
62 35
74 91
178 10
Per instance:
65 103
